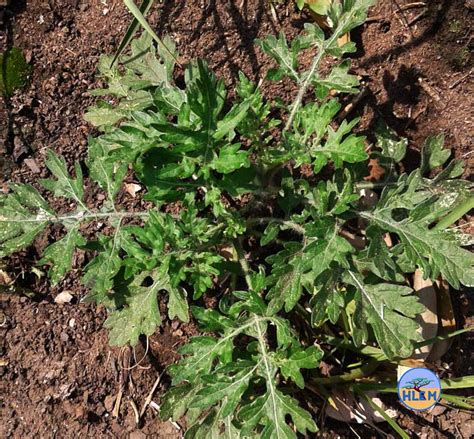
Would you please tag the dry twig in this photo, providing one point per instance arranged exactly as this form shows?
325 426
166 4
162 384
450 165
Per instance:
135 411
375 19
411 6
150 395
418 17
124 366
430 91
402 18
118 401
349 107
461 79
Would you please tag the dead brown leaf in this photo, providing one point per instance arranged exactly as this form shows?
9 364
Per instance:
132 189
344 406
428 319
446 320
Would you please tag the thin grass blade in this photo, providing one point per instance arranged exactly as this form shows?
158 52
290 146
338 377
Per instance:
144 8
142 20
461 402
382 413
444 337
465 382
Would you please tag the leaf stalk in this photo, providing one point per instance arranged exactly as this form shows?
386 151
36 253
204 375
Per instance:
457 213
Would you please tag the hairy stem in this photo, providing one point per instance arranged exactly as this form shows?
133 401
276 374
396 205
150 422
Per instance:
81 215
270 379
301 92
243 262
265 220
314 66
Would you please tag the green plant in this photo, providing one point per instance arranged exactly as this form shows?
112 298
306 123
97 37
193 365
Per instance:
276 243
321 7
14 71
455 26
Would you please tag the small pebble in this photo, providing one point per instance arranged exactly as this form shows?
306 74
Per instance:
64 297
31 163
132 189
437 410
109 403
19 149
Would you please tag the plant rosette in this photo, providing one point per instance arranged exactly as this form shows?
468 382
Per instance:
292 279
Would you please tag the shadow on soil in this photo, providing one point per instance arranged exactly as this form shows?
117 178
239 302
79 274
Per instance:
437 12
401 88
239 17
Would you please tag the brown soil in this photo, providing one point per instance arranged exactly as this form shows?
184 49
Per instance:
59 377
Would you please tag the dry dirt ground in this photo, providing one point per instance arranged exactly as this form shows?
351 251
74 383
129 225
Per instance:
59 378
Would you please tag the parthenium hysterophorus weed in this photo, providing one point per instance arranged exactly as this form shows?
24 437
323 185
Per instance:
225 166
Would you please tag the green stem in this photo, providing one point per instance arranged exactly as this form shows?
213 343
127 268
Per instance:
465 382
233 282
301 92
391 387
443 337
317 60
264 220
377 354
458 212
270 378
353 375
375 184
81 215
368 351
243 262
459 401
